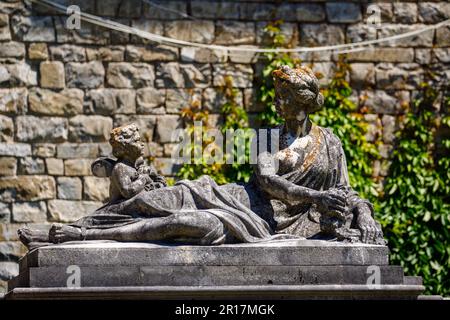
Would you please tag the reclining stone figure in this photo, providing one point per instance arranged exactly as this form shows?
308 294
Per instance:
300 191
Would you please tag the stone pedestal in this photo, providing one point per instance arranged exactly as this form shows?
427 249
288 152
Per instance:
272 270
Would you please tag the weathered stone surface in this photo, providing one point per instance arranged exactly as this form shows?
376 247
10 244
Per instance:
8 270
69 188
69 211
288 30
4 74
381 102
6 129
31 165
442 54
405 12
430 12
362 75
77 150
41 129
111 53
361 32
12 250
257 11
241 75
215 10
118 8
33 28
178 99
44 150
112 101
151 26
244 56
251 101
55 167
234 32
38 51
5 217
343 12
130 75
21 74
89 128
87 34
15 149
443 37
96 189
383 55
5 34
213 99
401 76
150 53
8 166
424 39
166 127
192 30
13 101
47 102
27 188
321 34
175 75
12 49
202 55
385 9
145 123
389 127
308 12
385 150
77 167
29 211
150 101
166 166
68 53
88 75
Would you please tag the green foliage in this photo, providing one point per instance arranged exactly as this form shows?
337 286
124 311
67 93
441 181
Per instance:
416 203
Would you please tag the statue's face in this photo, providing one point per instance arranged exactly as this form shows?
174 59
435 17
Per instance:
135 145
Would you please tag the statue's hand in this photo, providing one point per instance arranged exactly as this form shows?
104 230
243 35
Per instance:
332 200
370 229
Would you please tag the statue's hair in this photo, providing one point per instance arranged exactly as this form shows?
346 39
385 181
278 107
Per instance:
304 81
121 137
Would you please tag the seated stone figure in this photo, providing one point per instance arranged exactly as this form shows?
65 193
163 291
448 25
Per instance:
301 191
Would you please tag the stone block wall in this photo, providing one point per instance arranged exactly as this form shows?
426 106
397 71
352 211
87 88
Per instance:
61 90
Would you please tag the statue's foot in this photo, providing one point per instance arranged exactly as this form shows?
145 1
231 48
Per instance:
62 233
28 236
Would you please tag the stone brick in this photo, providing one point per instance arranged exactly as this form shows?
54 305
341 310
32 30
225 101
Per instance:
166 127
251 101
381 102
343 12
442 54
89 128
384 8
13 101
430 12
389 127
4 75
33 28
55 167
112 101
8 166
235 32
214 99
424 39
8 270
257 11
202 55
104 149
383 55
87 6
27 188
192 30
155 149
41 129
15 149
119 8
178 99
29 211
87 34
151 26
321 34
361 32
68 53
443 37
88 75
77 167
150 101
151 53
215 10
12 49
422 56
373 127
405 12
241 75
145 123
245 57
5 34
21 74
288 30
118 37
324 71
38 51
362 75
166 166
309 12
111 53
69 188
96 189
6 129
5 216
44 150
160 11
385 150
130 75
77 150
62 103
175 75
405 76
31 165
12 250
67 211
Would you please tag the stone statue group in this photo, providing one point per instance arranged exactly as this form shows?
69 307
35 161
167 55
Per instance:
301 191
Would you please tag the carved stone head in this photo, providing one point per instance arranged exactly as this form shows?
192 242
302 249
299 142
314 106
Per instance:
296 92
126 142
